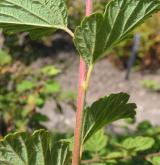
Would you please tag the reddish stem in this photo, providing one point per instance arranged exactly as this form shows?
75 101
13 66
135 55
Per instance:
79 114
80 102
88 7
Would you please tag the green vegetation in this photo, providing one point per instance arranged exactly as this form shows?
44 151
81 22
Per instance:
151 85
149 32
23 91
138 147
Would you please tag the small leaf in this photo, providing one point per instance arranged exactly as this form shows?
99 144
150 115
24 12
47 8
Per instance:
25 112
115 155
38 117
25 85
22 149
151 85
40 102
50 71
38 17
35 100
97 142
106 110
100 32
5 58
138 143
51 87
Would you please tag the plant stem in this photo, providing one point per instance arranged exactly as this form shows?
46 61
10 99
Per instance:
77 150
88 7
79 114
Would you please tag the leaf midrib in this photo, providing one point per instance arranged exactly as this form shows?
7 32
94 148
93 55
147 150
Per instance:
95 40
36 25
113 25
26 152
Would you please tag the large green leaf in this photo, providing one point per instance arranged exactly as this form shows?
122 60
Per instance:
23 149
106 110
39 17
100 32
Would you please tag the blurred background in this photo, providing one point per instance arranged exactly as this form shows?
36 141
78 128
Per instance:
38 79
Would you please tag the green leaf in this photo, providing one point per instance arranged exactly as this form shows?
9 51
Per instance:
50 70
151 85
38 117
40 102
100 32
138 143
61 154
34 99
155 160
105 111
97 142
23 149
25 85
5 58
115 155
38 17
51 87
25 112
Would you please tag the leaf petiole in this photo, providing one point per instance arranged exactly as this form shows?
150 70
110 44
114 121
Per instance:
69 32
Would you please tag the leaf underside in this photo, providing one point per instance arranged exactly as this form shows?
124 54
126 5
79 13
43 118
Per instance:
23 149
105 111
38 17
100 32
